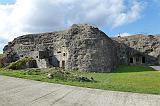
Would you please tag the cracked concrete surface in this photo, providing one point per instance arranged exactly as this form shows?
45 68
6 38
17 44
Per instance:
21 92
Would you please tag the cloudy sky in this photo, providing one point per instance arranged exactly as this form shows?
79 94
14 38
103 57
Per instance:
112 16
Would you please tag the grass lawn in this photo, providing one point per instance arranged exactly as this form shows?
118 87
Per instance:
137 79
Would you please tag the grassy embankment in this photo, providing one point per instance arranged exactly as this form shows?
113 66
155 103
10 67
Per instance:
138 79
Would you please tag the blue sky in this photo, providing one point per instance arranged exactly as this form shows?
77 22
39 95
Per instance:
112 16
7 1
149 23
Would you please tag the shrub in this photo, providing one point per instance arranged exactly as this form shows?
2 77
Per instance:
68 75
84 79
60 74
19 64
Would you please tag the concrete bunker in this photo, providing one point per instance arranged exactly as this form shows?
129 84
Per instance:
82 47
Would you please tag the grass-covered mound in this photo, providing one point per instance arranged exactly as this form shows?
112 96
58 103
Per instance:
19 64
69 76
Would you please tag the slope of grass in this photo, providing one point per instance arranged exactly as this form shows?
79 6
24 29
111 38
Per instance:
138 79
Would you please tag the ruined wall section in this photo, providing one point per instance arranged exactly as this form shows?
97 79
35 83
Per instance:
91 49
81 47
148 45
31 45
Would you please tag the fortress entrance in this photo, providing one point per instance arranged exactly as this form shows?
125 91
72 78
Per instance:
137 59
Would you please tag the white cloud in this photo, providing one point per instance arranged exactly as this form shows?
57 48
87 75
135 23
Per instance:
123 34
31 16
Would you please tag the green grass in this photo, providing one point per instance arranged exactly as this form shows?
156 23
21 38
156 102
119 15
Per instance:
137 79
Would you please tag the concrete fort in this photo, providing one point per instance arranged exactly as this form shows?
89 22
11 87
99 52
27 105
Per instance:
84 47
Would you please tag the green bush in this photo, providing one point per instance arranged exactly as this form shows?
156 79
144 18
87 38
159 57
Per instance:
19 64
60 74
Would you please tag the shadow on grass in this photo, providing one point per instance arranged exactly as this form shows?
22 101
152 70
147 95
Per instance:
128 69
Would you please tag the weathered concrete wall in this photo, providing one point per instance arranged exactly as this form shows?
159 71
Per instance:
91 49
147 46
81 47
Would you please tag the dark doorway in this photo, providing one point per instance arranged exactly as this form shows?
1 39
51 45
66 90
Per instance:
43 54
50 61
32 64
143 60
63 64
54 61
131 60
